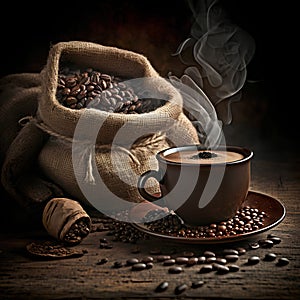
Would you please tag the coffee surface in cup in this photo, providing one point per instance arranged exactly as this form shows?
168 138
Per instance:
203 156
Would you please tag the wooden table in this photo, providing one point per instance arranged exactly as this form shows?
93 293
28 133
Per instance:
275 171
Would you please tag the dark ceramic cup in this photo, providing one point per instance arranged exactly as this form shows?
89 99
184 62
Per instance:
202 186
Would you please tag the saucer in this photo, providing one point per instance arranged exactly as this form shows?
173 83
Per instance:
274 209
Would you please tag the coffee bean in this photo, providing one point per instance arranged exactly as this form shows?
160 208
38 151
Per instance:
192 261
201 259
221 269
78 230
245 220
266 243
282 261
179 289
162 287
206 269
147 259
270 257
252 260
78 89
175 270
230 252
149 265
233 268
169 262
210 260
209 254
197 284
138 267
181 260
231 258
161 258
221 261
276 240
132 261
241 250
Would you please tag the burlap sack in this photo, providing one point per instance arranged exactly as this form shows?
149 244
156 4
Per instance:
118 158
18 99
21 142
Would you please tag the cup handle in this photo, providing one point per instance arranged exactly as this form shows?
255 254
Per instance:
142 181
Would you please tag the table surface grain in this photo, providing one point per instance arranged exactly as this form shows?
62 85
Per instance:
274 171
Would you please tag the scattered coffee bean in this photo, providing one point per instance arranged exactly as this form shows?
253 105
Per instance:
102 261
197 284
192 261
149 265
241 250
221 269
181 260
132 261
230 252
231 257
270 257
233 268
162 287
138 267
282 261
179 289
253 260
266 243
147 259
221 261
210 260
175 270
209 254
206 269
169 262
124 232
276 240
161 258
201 259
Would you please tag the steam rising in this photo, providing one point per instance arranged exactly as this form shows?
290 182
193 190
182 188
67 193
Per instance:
217 54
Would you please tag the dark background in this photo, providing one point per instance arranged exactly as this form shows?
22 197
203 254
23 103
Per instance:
155 29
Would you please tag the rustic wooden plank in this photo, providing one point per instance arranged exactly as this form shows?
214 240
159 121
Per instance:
76 278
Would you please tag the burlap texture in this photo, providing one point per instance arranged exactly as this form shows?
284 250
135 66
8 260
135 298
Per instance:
18 99
21 143
60 214
119 158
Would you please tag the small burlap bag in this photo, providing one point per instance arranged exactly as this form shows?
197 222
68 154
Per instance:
66 220
118 147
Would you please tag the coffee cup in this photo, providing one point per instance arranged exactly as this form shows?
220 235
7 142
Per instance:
202 186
